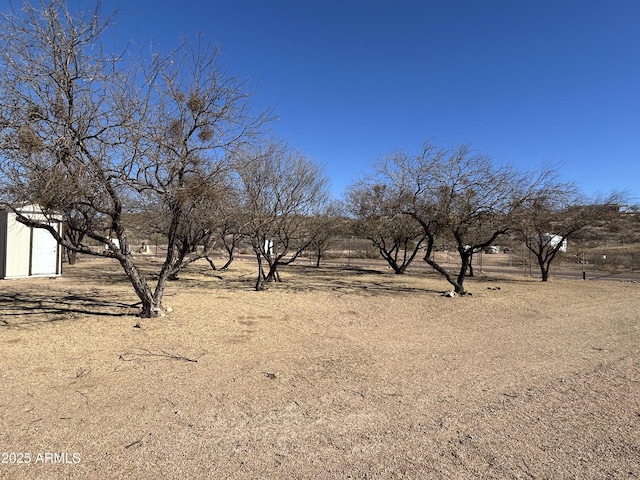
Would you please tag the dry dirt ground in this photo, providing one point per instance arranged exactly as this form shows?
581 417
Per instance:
335 373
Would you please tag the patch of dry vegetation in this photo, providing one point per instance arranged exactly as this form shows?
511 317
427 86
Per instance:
335 373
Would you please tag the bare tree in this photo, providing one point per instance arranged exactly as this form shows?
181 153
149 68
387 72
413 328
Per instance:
476 202
556 211
195 236
376 205
458 195
92 135
228 223
281 190
324 228
211 219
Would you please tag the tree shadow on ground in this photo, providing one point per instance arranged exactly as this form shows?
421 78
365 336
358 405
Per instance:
351 279
501 278
22 309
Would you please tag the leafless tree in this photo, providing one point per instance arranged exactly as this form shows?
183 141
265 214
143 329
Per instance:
228 223
195 235
556 211
458 195
214 220
92 134
281 190
376 204
325 227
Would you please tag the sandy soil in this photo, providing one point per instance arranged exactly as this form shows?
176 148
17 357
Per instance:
335 373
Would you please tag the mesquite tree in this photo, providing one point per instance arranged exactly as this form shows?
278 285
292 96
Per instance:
554 213
91 134
376 207
282 189
325 226
458 195
227 224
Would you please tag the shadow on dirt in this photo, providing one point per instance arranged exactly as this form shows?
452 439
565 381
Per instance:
21 309
349 279
500 278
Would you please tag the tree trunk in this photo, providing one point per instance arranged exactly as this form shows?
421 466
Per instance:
72 256
260 280
273 275
397 269
227 263
462 274
211 264
457 286
230 251
544 268
544 262
151 304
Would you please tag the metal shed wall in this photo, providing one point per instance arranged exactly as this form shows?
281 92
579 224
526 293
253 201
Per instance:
26 251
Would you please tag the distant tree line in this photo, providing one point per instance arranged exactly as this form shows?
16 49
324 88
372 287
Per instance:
170 140
464 198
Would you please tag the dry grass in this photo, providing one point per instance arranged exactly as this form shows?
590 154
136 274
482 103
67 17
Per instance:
335 373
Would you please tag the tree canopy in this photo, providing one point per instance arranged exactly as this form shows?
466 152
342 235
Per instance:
96 135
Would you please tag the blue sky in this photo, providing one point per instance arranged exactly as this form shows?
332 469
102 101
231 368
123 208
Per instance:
524 82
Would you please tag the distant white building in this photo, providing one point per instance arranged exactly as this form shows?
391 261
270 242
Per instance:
28 251
115 242
554 240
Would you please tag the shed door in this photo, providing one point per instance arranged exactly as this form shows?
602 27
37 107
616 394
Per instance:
44 256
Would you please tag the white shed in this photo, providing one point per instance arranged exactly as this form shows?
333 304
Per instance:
27 251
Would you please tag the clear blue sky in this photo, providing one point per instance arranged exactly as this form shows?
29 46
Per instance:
525 82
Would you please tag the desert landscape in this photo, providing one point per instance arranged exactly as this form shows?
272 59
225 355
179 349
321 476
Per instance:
337 372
